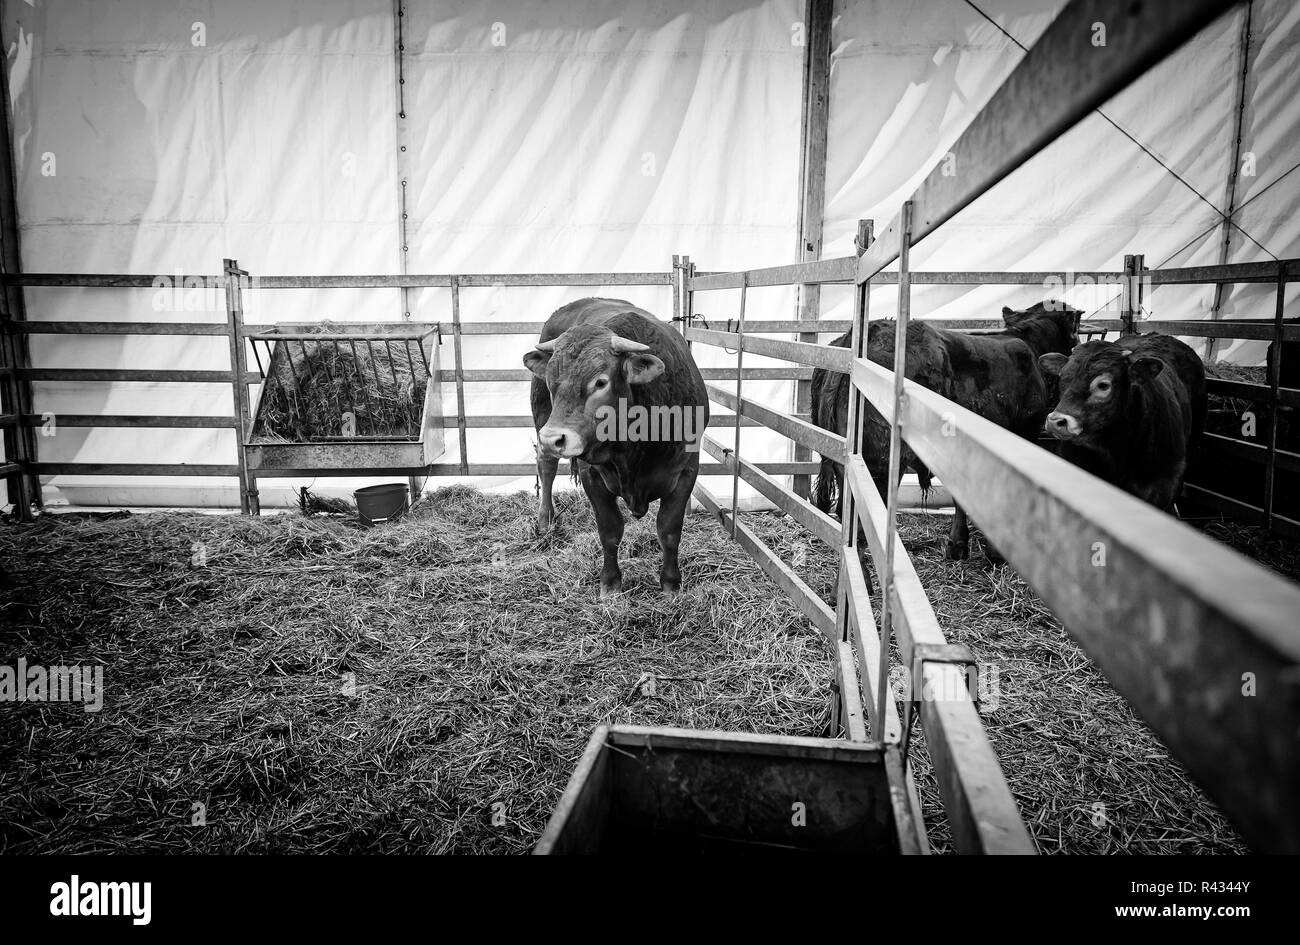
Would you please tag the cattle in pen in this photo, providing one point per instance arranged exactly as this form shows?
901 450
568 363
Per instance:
616 392
994 374
1130 412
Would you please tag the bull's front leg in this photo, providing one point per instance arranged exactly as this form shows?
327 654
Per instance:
546 468
672 513
609 523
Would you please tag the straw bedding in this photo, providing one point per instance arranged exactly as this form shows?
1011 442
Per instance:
427 686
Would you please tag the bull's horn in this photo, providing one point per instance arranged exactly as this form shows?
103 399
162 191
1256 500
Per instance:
547 346
623 345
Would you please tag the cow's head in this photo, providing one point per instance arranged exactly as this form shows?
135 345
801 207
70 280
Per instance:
1095 383
1055 324
586 368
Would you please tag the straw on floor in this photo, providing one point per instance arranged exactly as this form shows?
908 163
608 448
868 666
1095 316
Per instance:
427 686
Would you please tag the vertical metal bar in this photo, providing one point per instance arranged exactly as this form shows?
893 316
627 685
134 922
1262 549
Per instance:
19 440
895 452
374 372
1274 382
417 402
329 378
857 345
852 446
1128 302
677 292
234 326
359 387
740 367
460 375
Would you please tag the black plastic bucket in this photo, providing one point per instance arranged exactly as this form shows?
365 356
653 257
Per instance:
383 503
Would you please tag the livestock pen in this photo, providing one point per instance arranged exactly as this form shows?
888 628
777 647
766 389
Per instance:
1175 644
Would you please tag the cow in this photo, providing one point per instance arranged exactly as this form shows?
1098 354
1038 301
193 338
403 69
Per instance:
1131 412
993 373
616 392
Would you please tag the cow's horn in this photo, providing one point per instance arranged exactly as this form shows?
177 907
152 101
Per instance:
547 346
623 345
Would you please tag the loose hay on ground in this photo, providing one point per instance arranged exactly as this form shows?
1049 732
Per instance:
479 660
480 657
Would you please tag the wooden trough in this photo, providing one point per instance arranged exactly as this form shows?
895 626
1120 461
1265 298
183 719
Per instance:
360 396
677 791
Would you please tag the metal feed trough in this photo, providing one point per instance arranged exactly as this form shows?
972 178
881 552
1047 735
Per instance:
677 791
347 396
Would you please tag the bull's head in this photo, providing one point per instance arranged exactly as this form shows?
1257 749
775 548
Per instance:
1095 383
586 368
1062 318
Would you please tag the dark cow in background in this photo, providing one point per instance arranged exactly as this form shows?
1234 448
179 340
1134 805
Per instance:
1131 412
994 374
604 358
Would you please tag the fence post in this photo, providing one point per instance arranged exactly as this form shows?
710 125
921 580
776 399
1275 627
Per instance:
1274 382
1129 295
233 275
895 456
740 406
852 444
459 365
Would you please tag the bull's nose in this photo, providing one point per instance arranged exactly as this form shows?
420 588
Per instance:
1060 424
560 442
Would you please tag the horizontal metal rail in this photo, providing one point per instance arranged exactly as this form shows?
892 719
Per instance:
120 328
1172 643
1226 272
135 469
802 352
709 374
830 445
1251 452
1059 81
1287 396
133 376
414 281
1242 511
131 420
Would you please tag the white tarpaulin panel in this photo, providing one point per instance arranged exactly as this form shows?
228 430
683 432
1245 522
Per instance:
538 138
156 137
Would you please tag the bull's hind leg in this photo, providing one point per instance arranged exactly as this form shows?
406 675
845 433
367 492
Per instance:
609 523
672 513
958 544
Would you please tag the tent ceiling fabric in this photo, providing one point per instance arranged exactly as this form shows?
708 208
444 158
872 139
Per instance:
575 137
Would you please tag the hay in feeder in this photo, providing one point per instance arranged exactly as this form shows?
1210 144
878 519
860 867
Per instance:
323 390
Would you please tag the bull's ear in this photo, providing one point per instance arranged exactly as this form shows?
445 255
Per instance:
641 368
1145 370
1010 316
1051 364
536 361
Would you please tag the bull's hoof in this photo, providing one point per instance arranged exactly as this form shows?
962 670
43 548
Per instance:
611 588
670 588
956 550
542 525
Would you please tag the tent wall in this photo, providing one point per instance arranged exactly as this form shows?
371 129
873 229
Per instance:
151 136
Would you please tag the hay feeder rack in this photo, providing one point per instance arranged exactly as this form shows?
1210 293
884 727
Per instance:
339 398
